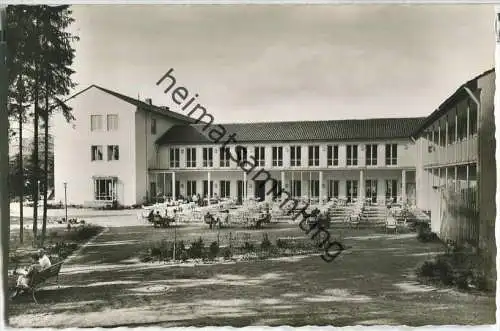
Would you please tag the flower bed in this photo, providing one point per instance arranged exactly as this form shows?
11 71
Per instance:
198 252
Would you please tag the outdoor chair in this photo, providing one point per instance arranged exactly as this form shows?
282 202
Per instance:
391 224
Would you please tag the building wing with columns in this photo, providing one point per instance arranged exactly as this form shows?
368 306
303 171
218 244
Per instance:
352 159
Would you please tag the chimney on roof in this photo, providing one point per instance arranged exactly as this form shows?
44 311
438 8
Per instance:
149 101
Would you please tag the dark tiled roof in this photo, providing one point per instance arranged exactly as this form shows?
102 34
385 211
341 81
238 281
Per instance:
334 130
445 106
141 104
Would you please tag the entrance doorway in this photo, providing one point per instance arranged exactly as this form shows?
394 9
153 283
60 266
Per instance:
352 190
240 191
260 189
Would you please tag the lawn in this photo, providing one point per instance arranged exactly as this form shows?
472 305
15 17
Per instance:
370 283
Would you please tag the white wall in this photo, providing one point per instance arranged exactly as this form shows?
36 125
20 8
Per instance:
72 148
145 148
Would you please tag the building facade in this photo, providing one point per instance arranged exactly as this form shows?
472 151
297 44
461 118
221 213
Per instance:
353 159
456 168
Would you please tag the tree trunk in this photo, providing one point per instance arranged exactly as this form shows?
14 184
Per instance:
21 169
45 167
35 163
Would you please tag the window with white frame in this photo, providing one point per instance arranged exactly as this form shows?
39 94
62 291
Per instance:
96 153
333 188
224 157
313 156
96 122
277 156
174 157
295 156
113 152
332 155
314 188
112 122
371 154
391 154
191 157
352 155
104 189
190 188
208 157
225 189
241 153
259 156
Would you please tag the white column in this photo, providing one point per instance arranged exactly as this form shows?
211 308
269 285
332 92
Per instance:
403 185
282 184
173 186
309 186
209 188
244 185
164 185
361 191
321 187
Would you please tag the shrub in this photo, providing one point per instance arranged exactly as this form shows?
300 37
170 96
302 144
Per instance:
184 256
266 243
213 250
227 253
248 247
425 234
281 243
196 251
83 232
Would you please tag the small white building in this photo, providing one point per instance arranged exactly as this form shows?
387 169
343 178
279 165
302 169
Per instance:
104 155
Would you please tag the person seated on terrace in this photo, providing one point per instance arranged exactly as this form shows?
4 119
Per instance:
40 262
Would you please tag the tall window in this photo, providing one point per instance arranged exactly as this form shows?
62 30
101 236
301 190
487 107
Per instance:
113 152
174 158
104 189
451 126
332 152
190 188
391 190
352 190
95 122
352 155
260 156
391 154
225 186
472 117
241 153
96 153
333 188
296 188
313 156
224 157
190 157
295 156
371 155
153 126
314 188
112 122
277 156
205 188
208 157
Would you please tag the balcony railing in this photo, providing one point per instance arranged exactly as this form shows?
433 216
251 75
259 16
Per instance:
458 152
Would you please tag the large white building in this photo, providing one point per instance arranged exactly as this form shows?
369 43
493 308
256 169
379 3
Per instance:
123 149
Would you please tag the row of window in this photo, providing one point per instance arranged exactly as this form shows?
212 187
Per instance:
97 123
259 158
457 125
391 187
97 153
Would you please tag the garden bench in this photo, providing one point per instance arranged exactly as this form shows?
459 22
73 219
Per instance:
41 277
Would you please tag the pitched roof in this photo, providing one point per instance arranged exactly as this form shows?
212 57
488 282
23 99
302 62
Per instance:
332 130
444 107
140 104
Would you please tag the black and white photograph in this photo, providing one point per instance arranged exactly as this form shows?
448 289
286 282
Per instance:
176 165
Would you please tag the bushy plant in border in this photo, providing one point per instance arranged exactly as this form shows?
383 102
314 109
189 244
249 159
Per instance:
459 266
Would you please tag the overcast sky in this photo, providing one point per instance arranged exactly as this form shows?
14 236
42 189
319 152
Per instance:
275 63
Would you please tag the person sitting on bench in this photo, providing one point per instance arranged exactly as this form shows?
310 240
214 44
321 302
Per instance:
25 277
